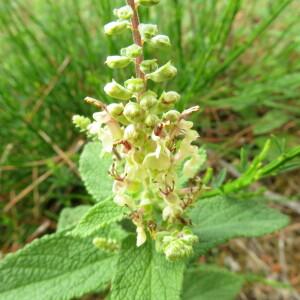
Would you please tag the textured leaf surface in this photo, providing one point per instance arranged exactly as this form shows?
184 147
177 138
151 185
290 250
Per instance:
143 274
101 214
218 219
211 283
55 267
70 216
93 170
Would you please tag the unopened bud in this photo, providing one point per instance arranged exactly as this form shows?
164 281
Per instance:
117 62
124 12
115 90
169 97
152 120
133 112
160 40
172 116
81 122
148 100
164 73
132 51
149 66
135 85
148 31
130 133
107 245
115 109
116 27
148 2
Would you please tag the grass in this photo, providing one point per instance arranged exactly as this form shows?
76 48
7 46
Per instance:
239 60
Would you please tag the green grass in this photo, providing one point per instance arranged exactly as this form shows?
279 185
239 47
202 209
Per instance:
239 60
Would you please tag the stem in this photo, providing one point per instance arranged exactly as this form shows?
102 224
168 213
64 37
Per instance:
135 22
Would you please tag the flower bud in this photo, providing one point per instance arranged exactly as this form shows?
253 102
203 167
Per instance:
116 27
166 72
115 90
115 109
148 66
135 85
107 245
147 31
151 120
81 122
148 100
117 62
177 250
160 41
169 97
124 12
132 51
148 2
133 112
141 236
172 116
130 133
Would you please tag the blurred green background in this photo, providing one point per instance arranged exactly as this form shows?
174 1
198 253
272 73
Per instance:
239 60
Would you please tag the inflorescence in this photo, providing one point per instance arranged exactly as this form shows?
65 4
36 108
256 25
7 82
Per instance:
151 143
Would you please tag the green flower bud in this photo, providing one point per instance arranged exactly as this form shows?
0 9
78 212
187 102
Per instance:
115 109
172 116
81 122
118 62
160 40
135 85
133 112
177 250
107 245
148 100
152 120
148 2
124 12
169 97
115 90
147 31
149 66
131 133
164 73
116 27
132 51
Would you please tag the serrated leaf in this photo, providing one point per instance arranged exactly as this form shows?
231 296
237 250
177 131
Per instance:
216 220
93 169
142 273
55 267
70 216
211 283
100 215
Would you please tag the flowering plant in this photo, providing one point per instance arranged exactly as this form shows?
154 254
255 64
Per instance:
154 214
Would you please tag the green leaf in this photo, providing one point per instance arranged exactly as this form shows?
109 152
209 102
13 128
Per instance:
270 121
100 215
216 220
93 169
70 216
55 267
142 273
211 283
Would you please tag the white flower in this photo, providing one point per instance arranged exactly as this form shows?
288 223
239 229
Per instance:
141 235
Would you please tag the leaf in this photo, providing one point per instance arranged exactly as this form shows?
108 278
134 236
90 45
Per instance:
98 216
55 267
270 121
142 273
70 216
218 219
93 169
211 283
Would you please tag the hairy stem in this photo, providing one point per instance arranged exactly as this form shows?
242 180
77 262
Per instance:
135 21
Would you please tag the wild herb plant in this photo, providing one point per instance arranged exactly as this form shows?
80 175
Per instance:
154 213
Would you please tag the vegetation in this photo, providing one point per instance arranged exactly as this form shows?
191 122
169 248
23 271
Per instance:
236 60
